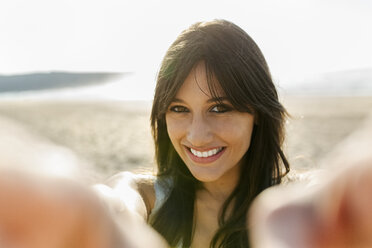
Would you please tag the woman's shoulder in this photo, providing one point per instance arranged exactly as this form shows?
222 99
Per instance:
142 183
130 179
145 185
152 190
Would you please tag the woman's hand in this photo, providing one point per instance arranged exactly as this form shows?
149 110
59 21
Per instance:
39 212
337 214
44 212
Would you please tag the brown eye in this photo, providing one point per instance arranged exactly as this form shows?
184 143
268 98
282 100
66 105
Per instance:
179 109
220 108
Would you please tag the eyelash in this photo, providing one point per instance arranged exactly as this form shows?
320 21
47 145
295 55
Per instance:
177 108
182 109
225 108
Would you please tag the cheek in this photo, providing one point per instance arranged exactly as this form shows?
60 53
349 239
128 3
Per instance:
247 133
240 138
175 129
236 132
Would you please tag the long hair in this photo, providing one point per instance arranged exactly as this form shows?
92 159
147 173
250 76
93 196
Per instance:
233 58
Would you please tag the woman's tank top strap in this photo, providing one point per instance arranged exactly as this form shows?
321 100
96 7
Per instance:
162 187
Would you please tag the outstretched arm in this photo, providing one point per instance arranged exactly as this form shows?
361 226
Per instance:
44 212
336 214
126 195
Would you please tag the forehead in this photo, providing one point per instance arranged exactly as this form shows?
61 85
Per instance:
199 82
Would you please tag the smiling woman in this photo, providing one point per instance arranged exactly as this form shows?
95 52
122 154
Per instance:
218 131
208 133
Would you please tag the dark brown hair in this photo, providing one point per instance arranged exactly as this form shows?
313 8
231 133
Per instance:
233 58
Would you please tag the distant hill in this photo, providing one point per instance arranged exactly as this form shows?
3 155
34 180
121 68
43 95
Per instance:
53 80
349 82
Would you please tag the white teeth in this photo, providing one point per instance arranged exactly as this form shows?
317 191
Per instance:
206 153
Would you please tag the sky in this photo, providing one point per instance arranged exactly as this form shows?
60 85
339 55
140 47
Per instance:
298 37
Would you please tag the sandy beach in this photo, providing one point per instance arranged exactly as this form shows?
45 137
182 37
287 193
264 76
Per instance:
107 136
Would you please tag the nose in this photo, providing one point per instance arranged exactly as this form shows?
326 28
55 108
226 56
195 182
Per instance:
199 132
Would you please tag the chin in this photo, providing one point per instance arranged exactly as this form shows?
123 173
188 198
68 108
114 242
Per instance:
205 177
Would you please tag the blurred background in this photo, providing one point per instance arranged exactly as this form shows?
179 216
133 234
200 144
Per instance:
77 77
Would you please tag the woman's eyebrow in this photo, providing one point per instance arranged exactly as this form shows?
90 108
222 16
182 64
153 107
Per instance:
211 100
218 99
177 100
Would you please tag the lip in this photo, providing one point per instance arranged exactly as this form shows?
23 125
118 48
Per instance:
204 160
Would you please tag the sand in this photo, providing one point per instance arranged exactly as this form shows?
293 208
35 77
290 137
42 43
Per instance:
319 124
111 136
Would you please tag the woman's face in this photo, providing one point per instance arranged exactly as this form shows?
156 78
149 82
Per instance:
210 137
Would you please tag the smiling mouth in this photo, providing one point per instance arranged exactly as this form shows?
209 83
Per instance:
205 154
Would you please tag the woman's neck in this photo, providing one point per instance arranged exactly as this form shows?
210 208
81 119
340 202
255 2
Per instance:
222 188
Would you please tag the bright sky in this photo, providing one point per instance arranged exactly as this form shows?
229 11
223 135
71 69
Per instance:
297 37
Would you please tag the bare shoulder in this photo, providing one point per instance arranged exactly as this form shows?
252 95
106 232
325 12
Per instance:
134 186
145 185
